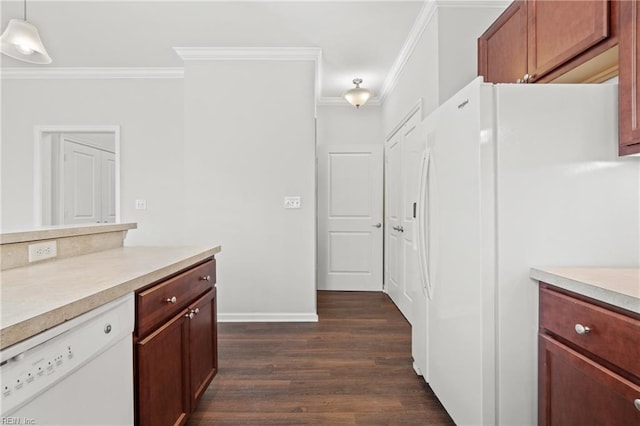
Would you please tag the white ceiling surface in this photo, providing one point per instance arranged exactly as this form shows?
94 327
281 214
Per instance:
357 38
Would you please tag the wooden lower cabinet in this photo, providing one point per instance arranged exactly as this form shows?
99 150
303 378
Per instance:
578 391
203 346
176 361
588 362
163 374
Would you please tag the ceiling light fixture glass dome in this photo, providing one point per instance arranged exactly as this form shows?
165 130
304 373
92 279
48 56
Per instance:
358 96
21 41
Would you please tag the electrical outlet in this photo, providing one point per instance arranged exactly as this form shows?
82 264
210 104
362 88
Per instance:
291 202
141 204
42 251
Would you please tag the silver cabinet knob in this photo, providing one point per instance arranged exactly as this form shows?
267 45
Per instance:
377 225
189 315
582 329
206 278
195 311
171 300
519 81
637 403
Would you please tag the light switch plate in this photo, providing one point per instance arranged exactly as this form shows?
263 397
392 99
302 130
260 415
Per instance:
291 202
141 204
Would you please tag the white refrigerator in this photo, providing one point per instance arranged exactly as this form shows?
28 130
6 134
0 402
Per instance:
513 176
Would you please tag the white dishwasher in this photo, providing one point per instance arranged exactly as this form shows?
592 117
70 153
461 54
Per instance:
77 373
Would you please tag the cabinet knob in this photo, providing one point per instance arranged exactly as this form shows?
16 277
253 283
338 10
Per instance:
377 225
195 311
189 315
206 278
582 329
171 300
637 403
519 81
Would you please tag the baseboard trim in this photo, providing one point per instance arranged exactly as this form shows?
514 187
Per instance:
268 317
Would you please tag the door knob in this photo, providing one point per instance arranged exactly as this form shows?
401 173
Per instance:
377 225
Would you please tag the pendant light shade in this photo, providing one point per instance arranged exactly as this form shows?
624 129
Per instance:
358 96
21 41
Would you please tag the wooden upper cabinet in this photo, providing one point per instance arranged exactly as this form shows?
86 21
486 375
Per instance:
629 84
502 49
561 30
542 40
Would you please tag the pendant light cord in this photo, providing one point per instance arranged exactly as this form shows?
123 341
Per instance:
25 10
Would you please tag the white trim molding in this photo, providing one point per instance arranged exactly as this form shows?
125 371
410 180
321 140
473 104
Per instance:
267 317
38 136
427 12
91 73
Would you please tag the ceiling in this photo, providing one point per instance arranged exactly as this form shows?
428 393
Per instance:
357 38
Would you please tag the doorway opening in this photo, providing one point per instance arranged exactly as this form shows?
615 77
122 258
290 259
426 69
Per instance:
77 175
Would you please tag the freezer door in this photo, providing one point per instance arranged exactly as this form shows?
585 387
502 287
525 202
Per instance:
460 320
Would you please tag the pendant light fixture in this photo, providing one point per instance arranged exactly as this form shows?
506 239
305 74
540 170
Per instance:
21 41
358 96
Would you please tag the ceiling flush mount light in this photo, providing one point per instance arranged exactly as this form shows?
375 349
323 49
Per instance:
358 96
21 41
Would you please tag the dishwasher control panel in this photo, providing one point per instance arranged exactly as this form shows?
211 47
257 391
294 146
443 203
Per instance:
31 372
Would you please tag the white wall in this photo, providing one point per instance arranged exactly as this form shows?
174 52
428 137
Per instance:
443 61
150 114
250 141
339 125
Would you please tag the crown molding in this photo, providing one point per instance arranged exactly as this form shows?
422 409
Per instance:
249 53
340 101
427 12
90 73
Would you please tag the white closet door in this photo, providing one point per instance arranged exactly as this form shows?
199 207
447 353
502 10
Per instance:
402 177
393 199
82 177
350 217
108 186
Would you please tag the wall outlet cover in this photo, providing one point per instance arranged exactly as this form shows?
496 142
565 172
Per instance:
292 202
42 251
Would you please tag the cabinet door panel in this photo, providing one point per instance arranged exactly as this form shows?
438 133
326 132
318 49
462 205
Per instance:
576 391
203 345
561 30
502 49
629 85
162 364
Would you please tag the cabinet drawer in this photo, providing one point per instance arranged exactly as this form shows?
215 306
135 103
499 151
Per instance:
611 336
159 303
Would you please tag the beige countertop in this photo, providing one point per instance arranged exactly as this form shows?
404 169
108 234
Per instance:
616 286
63 231
37 297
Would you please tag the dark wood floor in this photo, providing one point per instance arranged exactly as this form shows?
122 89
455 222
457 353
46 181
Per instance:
353 367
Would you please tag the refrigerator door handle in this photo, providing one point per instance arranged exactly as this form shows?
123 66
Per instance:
422 224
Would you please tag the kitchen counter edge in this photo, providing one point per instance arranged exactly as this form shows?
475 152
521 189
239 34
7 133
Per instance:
31 326
619 287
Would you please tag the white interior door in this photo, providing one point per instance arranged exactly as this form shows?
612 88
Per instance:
402 178
350 206
393 194
108 186
82 183
89 184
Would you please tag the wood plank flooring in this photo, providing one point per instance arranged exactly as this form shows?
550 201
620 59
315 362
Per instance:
353 367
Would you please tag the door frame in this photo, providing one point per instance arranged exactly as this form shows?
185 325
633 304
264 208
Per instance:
40 139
